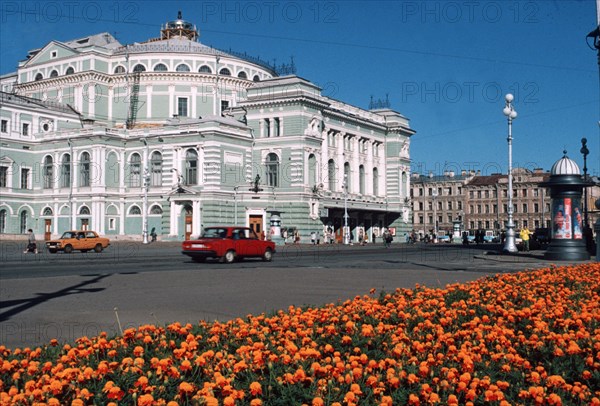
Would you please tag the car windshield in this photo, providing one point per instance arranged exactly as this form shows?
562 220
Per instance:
68 234
214 233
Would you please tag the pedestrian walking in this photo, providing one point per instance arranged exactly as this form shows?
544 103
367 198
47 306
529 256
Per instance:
153 234
524 234
387 238
313 238
31 244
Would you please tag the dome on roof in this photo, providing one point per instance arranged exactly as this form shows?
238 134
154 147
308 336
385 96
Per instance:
565 166
179 28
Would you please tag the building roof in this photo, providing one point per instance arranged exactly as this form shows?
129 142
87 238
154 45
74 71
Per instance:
486 180
418 178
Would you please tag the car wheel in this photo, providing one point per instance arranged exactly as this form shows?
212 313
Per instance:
268 255
98 248
68 249
84 251
199 259
229 257
52 251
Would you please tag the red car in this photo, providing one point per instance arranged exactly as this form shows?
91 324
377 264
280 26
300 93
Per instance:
228 244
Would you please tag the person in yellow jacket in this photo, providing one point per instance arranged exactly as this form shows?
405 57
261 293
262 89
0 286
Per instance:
524 234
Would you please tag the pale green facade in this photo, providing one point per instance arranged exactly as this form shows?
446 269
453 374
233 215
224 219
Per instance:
199 125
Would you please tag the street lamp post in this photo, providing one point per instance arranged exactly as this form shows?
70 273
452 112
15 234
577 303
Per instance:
346 230
434 194
585 151
511 114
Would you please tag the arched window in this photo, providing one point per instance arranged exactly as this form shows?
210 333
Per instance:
312 170
361 179
242 75
347 177
256 78
191 167
84 169
331 175
156 209
85 211
205 69
65 171
47 211
375 181
225 72
2 221
161 67
48 172
39 76
139 68
272 170
182 67
54 73
119 69
156 167
23 222
135 211
70 71
135 170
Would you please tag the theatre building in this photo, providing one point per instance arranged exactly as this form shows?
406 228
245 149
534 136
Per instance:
176 135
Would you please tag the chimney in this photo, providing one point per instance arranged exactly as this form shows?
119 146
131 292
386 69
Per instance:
463 172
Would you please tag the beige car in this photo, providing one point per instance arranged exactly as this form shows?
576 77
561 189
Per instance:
82 240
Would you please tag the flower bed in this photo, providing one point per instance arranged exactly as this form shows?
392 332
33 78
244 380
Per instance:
527 338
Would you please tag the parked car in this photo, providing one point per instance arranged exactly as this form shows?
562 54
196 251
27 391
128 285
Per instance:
444 238
81 240
228 244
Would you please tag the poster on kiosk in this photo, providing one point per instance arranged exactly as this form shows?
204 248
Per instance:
561 215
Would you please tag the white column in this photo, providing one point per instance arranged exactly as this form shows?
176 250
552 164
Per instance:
193 98
55 210
324 159
172 101
91 96
197 218
149 101
369 168
122 218
339 137
122 171
173 220
354 164
110 101
382 171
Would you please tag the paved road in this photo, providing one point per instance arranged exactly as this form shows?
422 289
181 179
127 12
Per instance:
64 296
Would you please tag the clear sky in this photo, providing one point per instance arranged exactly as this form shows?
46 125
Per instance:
446 65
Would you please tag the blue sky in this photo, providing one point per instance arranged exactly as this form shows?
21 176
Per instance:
446 65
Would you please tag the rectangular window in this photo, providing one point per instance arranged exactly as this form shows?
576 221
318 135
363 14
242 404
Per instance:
524 192
536 192
421 206
182 106
420 219
421 192
449 205
4 126
495 207
536 208
25 129
479 194
449 218
459 206
524 207
224 105
24 178
3 176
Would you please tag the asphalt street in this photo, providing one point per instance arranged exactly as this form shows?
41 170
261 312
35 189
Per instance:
66 296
